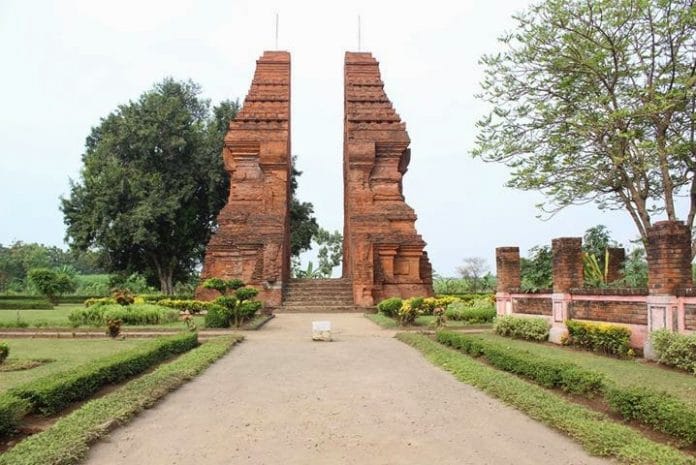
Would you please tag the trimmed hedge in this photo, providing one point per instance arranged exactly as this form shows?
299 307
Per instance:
26 304
390 307
595 431
459 311
51 394
604 338
529 328
674 349
657 410
547 372
12 410
135 314
67 441
191 306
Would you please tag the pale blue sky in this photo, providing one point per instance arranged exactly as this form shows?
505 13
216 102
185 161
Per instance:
68 63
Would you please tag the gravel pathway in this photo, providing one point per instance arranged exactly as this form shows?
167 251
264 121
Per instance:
366 398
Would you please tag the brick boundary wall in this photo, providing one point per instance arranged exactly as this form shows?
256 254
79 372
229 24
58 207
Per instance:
668 303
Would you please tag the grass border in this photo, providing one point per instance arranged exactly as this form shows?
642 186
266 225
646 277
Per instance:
67 441
598 434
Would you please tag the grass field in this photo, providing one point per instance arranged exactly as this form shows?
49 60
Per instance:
58 318
422 322
623 373
67 353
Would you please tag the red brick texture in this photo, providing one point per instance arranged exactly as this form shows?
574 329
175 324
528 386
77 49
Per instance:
567 264
617 257
610 311
669 257
252 242
507 264
383 254
532 306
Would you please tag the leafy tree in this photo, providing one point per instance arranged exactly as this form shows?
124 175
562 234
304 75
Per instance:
537 270
597 240
635 270
152 183
52 283
473 270
330 250
594 101
303 224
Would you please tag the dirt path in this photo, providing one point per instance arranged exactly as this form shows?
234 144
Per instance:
365 399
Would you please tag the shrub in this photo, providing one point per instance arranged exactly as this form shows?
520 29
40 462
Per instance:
4 352
473 315
246 293
674 349
545 371
191 306
100 301
234 284
409 311
390 307
12 409
217 317
51 283
136 314
218 284
51 394
113 327
26 304
659 410
600 337
530 328
123 297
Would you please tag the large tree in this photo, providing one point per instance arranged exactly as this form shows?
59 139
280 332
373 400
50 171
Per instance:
594 101
152 183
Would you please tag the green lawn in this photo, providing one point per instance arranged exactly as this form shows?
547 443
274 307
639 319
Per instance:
58 318
623 373
67 354
422 322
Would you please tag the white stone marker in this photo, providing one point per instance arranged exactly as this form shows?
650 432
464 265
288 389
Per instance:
321 330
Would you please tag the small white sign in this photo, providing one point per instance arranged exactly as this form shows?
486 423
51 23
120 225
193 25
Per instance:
321 330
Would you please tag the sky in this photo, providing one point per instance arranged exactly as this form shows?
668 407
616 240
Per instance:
66 64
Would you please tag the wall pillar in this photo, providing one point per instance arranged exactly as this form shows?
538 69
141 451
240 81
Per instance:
617 257
568 273
669 269
508 278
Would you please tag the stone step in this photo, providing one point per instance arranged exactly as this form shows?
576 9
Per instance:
329 295
322 309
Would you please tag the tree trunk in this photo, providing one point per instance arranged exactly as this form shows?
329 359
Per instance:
165 273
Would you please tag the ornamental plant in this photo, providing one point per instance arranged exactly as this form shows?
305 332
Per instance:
600 337
4 351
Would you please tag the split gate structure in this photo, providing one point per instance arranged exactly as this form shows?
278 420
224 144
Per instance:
383 255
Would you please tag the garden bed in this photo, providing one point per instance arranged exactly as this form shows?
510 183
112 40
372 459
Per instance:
596 432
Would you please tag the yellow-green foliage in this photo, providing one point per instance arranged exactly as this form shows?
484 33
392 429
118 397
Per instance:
600 337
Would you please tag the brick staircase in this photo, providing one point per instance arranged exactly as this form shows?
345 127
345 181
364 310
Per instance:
319 296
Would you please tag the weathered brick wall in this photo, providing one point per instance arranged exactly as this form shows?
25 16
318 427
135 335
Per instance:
617 257
530 306
567 263
610 311
507 263
690 317
669 257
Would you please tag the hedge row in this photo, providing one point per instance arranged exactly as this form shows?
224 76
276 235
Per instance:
547 372
519 327
603 338
53 393
67 441
26 304
458 311
596 432
135 314
674 349
660 411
